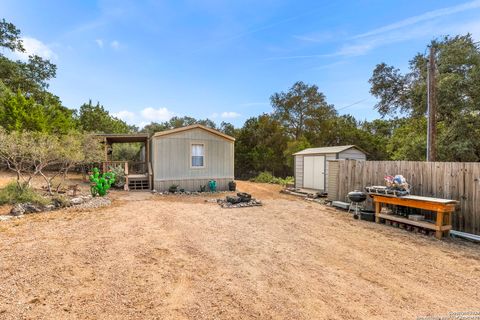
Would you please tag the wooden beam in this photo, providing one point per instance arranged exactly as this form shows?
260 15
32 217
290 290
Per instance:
420 204
421 224
378 209
439 224
432 107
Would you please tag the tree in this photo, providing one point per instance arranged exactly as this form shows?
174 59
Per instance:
259 147
207 123
30 77
30 153
25 103
458 99
301 108
406 143
71 150
39 70
391 88
155 127
293 147
228 129
375 137
177 122
127 151
95 118
16 154
10 36
18 113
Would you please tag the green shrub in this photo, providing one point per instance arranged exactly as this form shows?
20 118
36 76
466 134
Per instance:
173 188
267 177
120 177
13 194
263 177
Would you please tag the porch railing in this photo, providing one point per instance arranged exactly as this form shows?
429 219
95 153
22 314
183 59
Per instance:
130 167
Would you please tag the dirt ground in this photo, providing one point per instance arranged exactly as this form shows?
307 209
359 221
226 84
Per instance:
166 257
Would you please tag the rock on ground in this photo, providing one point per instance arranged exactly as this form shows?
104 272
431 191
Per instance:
25 208
93 203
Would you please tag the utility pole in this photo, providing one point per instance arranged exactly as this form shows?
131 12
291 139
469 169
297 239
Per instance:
431 108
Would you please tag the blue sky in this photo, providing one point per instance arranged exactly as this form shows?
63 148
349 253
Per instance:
149 60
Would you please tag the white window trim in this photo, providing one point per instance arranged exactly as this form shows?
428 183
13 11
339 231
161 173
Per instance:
204 155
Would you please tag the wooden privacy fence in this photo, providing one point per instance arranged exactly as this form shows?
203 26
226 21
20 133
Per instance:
450 180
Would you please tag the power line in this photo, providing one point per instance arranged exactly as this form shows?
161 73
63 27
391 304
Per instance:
351 105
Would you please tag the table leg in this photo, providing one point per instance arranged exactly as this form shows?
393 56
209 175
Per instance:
439 224
378 208
449 222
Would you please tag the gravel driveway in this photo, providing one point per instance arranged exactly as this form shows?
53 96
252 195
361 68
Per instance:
154 257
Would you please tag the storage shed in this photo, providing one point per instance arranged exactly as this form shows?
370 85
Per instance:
311 167
190 157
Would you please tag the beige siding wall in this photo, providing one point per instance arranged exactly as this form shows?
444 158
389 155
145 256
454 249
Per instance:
171 160
191 184
298 171
332 179
328 157
352 154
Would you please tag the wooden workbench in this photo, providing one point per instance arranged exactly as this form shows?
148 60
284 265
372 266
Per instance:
443 207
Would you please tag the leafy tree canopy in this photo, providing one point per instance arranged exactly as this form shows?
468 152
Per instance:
177 122
95 118
25 103
458 100
260 147
301 109
10 36
19 113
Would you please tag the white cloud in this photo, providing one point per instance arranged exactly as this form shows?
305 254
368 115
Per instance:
125 115
115 44
315 37
143 124
99 43
427 25
160 114
355 50
230 114
225 115
35 47
472 27
424 25
421 18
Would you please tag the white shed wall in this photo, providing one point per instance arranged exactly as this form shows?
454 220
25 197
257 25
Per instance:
298 172
353 154
299 169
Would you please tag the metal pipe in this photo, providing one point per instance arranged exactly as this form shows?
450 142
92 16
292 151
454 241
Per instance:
465 235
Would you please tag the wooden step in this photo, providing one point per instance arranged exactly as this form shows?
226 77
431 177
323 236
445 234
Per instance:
138 184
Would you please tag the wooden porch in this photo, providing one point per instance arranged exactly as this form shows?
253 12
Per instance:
138 174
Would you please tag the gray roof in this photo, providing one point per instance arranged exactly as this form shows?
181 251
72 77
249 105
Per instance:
335 149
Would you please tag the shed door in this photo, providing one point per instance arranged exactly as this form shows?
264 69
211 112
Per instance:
314 172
